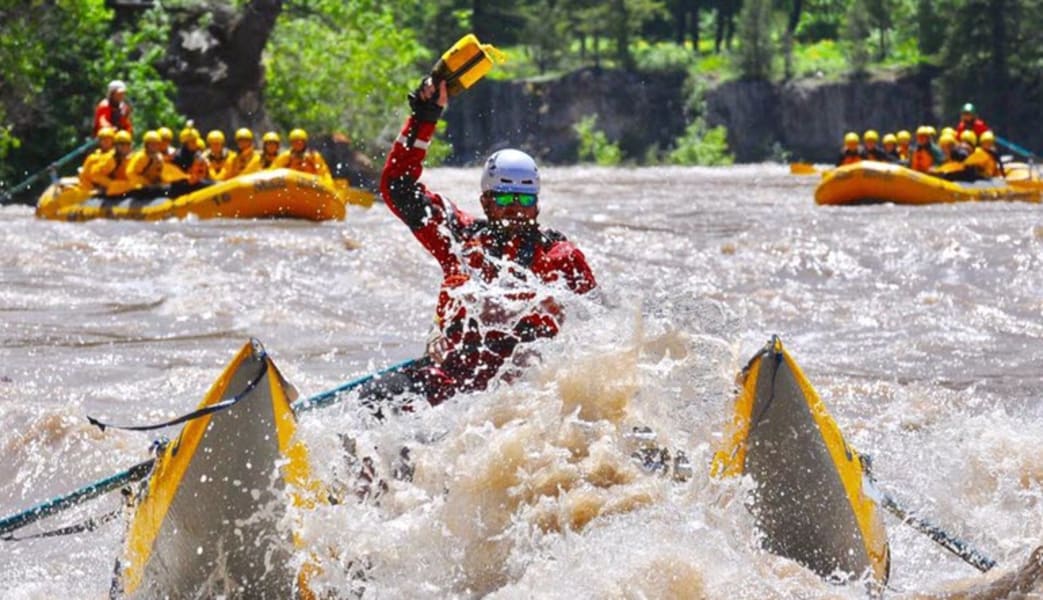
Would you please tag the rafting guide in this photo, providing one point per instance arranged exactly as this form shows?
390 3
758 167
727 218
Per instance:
499 273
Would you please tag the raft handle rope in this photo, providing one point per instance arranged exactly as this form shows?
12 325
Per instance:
200 412
144 469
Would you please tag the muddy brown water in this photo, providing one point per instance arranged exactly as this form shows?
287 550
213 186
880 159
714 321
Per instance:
921 327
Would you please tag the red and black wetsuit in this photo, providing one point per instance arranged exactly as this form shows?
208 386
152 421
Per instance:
115 114
977 125
496 281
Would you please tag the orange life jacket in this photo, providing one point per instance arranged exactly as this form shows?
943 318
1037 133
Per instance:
922 159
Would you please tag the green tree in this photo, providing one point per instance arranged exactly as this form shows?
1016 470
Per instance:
821 20
334 66
55 61
930 29
994 57
756 54
594 144
546 32
701 145
856 34
881 13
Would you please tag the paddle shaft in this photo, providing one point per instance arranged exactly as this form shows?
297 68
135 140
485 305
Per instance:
1016 148
946 540
85 493
141 470
324 399
6 196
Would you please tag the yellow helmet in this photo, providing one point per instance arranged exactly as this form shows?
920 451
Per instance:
949 131
186 135
904 136
931 131
106 132
298 135
969 137
151 137
122 137
890 139
871 136
165 134
271 136
946 140
987 138
215 137
922 131
850 138
244 134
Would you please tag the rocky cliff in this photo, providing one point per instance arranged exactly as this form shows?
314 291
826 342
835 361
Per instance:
806 118
636 110
214 59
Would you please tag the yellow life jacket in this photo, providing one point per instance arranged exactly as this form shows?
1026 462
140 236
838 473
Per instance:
244 163
91 163
219 163
983 162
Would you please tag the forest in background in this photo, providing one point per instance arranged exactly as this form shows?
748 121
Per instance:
335 66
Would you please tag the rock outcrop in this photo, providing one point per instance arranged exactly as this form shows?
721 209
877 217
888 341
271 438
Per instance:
808 117
214 59
636 110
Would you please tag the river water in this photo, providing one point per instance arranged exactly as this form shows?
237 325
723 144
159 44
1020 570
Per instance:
921 328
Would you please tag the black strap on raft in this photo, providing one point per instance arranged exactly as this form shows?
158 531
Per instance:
201 412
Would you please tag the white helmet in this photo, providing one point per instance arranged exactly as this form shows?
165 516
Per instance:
511 171
117 86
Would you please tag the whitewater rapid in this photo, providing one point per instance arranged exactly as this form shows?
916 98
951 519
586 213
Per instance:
920 327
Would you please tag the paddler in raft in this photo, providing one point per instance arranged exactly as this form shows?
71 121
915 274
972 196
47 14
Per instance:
870 149
851 153
106 146
498 273
246 160
891 148
301 158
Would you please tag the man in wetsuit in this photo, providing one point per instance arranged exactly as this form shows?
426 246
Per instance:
499 273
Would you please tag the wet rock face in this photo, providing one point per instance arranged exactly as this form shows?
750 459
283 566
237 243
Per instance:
809 117
214 59
640 111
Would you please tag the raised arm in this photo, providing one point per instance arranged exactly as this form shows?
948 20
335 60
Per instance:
432 219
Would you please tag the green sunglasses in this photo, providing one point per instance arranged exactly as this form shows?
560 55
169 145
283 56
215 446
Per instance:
509 198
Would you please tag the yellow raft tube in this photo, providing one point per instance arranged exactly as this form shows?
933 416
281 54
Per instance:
810 502
207 521
265 194
870 182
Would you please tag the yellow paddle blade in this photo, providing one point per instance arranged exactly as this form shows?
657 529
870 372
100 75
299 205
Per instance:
172 173
352 195
802 169
465 63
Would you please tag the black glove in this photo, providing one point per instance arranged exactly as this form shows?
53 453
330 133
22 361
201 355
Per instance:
425 110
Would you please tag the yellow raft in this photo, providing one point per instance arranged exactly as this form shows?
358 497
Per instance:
265 194
870 182
809 502
207 521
